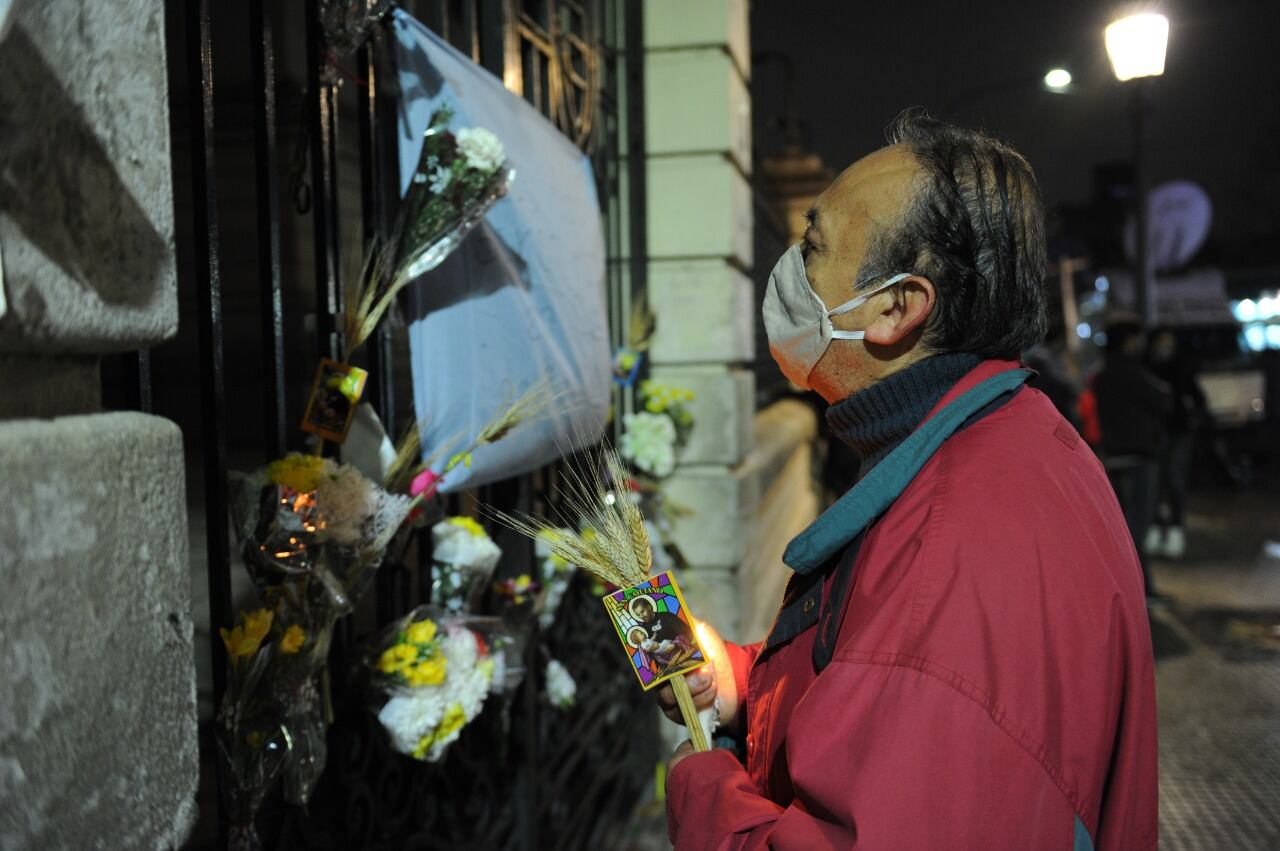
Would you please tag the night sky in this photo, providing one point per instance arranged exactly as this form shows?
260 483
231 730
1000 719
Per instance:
1216 111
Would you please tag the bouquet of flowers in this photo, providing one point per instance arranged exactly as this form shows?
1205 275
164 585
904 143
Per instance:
252 742
312 532
465 557
432 674
652 436
460 175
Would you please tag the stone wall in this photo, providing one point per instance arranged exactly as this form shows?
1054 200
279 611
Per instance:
746 475
97 718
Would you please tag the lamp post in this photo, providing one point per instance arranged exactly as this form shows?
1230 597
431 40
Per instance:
1136 46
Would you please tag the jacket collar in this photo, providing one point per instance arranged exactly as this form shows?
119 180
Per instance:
988 382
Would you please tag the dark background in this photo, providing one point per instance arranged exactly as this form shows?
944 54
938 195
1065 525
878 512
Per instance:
1215 113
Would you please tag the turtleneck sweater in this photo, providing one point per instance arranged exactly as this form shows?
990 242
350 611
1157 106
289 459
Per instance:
876 419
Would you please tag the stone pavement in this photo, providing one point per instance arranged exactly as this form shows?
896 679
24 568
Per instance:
1217 650
1218 678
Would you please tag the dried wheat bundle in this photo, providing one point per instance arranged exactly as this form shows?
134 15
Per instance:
616 547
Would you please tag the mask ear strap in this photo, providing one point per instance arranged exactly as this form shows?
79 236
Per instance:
856 302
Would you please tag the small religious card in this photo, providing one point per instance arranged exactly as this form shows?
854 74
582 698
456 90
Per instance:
334 397
656 629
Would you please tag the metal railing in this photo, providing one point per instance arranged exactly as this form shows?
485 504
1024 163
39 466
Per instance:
523 775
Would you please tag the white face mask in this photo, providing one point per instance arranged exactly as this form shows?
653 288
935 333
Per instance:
798 322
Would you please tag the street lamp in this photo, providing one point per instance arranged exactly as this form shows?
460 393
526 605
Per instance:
1057 80
1136 45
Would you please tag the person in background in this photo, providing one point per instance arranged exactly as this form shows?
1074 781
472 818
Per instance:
1133 410
962 657
1167 535
1056 377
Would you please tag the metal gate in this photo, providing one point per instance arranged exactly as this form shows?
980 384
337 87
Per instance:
282 170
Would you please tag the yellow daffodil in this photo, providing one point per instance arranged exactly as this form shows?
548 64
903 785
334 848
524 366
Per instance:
426 673
396 658
243 640
470 525
297 472
421 632
293 639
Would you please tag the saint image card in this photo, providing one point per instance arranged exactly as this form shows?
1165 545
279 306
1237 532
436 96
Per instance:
656 629
334 396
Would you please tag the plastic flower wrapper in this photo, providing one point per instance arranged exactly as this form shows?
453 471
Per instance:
460 175
252 742
555 574
312 533
431 674
465 557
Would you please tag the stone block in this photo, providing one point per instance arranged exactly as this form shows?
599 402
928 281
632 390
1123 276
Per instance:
722 409
98 721
703 105
698 206
722 501
706 311
86 215
680 23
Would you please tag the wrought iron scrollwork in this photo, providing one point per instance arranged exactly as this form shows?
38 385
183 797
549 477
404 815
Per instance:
553 60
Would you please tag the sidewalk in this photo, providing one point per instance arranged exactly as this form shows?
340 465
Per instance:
1218 678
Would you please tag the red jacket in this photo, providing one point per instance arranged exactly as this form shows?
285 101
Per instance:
991 681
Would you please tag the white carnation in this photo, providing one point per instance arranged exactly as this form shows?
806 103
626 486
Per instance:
410 715
481 148
562 691
649 442
455 545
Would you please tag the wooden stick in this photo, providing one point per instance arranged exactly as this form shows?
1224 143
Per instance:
690 714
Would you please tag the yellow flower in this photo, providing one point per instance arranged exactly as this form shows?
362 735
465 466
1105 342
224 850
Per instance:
293 639
470 525
453 720
297 472
421 632
426 673
244 639
395 658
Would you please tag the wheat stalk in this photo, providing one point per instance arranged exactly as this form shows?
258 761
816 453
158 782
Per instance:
618 550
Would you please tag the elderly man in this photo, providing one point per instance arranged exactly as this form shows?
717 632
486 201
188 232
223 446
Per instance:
962 658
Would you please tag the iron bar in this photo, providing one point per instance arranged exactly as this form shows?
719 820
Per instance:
198 51
262 58
324 186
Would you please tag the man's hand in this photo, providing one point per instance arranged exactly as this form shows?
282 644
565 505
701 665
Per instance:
706 683
685 749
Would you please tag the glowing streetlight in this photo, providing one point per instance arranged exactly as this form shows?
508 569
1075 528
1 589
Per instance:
1137 44
1057 80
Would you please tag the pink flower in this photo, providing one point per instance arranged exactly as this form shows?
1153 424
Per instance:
424 484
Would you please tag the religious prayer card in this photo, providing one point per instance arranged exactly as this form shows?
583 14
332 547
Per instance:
655 629
334 396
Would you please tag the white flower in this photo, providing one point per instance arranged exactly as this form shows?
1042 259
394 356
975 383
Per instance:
410 715
562 691
455 545
649 442
481 148
440 177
